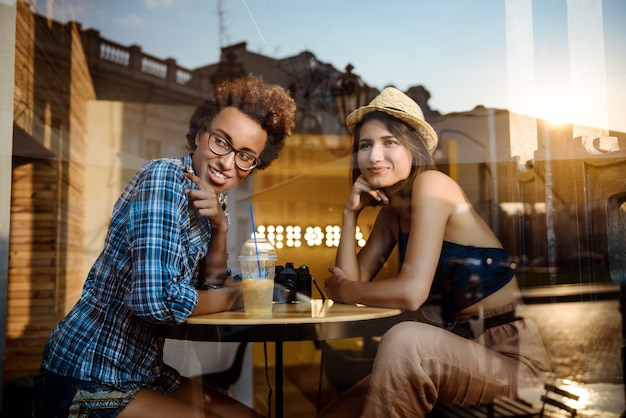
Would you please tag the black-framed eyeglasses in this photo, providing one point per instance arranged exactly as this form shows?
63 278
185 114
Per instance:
222 146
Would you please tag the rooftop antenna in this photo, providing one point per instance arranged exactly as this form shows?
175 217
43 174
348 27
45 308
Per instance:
223 32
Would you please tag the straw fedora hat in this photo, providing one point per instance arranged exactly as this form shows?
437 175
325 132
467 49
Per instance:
397 104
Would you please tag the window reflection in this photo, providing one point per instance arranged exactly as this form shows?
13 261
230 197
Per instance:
89 111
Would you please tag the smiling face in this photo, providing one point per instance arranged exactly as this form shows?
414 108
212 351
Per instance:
243 133
383 160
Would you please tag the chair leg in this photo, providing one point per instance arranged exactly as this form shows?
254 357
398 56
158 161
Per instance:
319 384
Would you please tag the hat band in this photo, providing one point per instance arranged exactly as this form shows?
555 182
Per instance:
396 109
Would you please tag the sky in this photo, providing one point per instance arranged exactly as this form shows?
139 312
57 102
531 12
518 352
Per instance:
514 54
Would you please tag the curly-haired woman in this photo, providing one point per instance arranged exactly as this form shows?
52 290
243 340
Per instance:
164 259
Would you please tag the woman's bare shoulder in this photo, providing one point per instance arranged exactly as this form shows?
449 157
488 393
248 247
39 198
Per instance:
434 176
437 183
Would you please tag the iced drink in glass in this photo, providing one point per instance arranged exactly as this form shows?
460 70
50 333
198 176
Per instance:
257 261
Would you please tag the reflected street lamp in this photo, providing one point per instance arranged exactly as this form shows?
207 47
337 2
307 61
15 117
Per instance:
350 92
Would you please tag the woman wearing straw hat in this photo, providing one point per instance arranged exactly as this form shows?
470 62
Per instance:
164 259
445 247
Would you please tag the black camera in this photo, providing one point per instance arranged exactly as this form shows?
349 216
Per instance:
290 282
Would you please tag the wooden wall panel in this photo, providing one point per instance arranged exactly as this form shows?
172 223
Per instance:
47 205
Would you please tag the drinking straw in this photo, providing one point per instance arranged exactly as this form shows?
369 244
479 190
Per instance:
256 248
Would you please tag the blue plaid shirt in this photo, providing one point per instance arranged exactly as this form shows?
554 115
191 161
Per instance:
146 276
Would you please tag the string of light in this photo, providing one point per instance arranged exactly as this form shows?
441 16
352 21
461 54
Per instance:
291 236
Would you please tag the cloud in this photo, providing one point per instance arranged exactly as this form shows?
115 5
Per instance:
158 4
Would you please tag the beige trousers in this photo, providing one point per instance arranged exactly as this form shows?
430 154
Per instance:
418 364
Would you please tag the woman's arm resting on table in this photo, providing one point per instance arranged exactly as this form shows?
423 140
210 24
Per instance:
226 298
431 207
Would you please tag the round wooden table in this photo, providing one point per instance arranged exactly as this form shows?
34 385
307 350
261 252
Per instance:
316 321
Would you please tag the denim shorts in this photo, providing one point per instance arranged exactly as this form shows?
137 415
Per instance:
61 396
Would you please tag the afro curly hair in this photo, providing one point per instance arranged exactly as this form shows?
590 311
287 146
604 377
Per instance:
268 104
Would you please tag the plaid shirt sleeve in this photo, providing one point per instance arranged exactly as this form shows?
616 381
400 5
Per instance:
163 252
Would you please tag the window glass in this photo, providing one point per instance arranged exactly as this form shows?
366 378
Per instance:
528 99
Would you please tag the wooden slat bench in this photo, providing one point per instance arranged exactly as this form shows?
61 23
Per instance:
553 405
550 398
502 407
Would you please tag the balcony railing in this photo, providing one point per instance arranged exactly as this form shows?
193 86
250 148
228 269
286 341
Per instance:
101 51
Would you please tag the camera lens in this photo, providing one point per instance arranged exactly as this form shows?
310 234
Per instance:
285 291
285 284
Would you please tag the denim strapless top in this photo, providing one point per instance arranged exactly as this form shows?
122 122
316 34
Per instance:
465 274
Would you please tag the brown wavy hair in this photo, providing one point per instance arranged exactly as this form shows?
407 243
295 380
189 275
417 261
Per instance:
407 135
268 104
